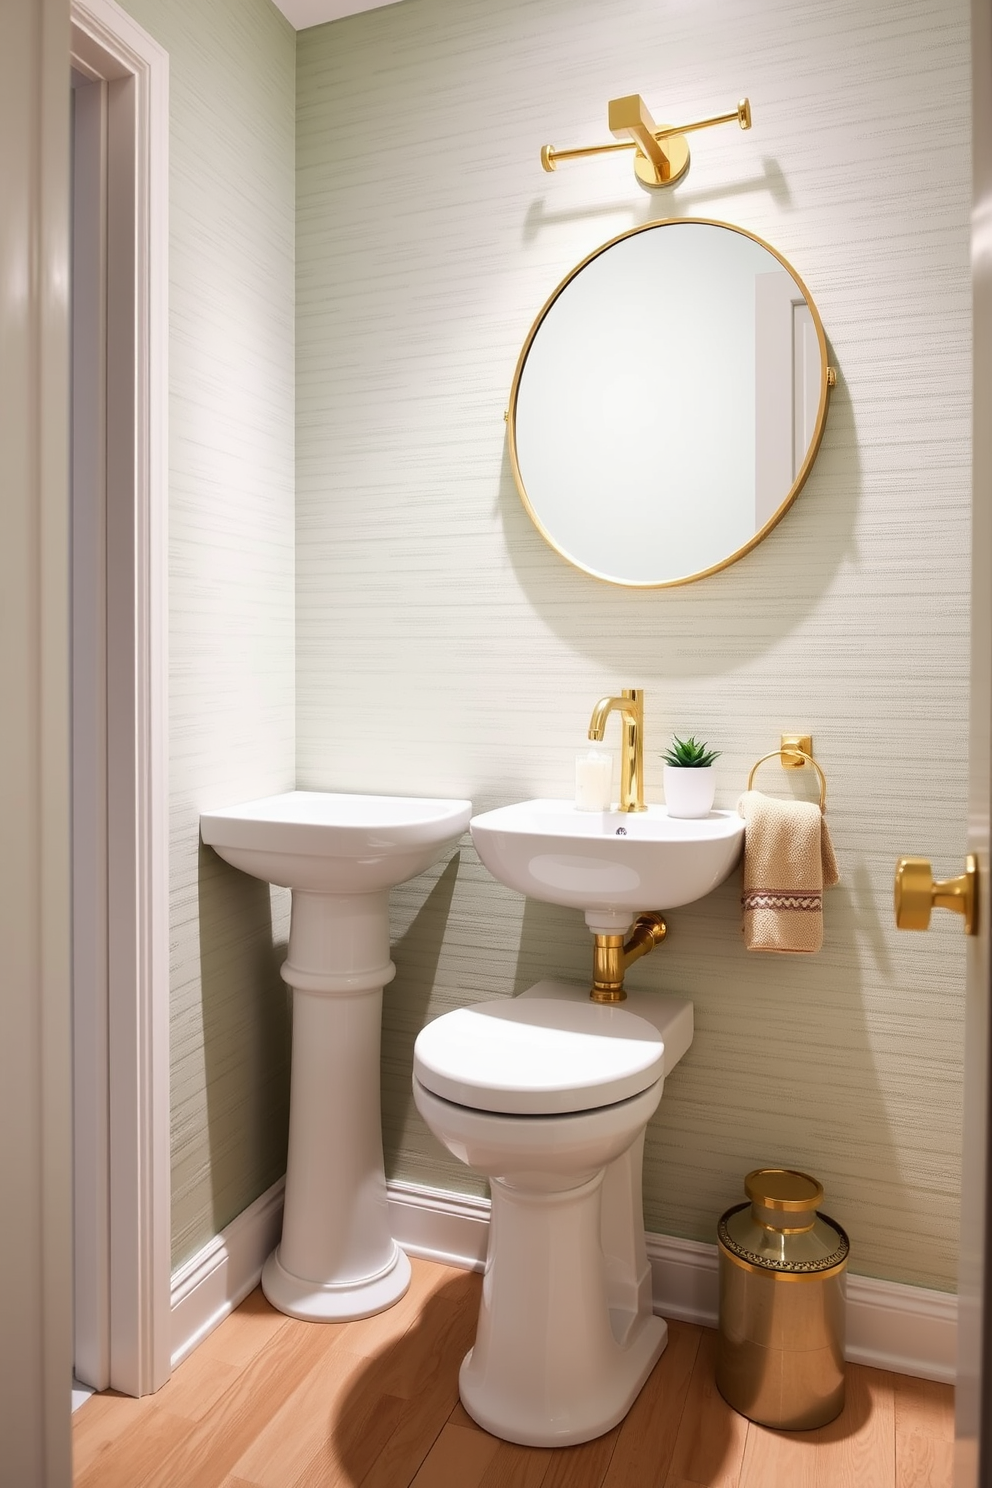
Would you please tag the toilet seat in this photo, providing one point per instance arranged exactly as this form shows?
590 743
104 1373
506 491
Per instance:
538 1057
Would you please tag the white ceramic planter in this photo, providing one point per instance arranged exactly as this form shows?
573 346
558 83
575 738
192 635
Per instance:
689 792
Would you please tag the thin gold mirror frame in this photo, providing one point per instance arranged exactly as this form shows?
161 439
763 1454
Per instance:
827 381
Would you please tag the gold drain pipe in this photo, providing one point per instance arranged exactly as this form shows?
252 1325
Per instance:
610 957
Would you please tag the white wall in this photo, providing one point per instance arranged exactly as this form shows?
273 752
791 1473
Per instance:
442 647
231 575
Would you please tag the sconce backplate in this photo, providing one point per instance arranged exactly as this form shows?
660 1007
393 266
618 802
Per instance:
677 149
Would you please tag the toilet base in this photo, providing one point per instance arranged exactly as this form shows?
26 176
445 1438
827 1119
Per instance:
336 1302
606 1405
554 1362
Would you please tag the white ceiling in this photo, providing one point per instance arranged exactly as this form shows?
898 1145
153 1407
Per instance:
305 13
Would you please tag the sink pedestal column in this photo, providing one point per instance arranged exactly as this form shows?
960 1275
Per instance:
337 1259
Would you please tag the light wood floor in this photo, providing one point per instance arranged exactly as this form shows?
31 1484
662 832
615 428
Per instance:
268 1402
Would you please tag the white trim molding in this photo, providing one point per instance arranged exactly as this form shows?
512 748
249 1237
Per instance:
211 1284
110 47
906 1329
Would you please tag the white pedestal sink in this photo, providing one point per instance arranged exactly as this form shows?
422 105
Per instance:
340 855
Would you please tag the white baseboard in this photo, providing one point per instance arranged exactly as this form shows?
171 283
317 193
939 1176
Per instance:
440 1226
218 1277
909 1330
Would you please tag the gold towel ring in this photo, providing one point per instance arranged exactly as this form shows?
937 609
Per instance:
792 754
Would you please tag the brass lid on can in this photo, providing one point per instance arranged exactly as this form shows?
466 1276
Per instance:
783 1198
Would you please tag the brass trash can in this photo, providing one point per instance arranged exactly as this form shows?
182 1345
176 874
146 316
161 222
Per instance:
780 1360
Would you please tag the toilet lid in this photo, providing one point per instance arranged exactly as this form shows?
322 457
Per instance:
538 1057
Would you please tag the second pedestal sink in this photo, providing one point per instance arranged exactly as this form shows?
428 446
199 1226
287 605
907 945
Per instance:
340 854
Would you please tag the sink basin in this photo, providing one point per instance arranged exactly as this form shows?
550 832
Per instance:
612 864
334 843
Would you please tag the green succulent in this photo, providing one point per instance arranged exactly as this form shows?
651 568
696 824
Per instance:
690 754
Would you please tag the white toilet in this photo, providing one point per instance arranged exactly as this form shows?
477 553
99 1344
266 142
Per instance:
548 1094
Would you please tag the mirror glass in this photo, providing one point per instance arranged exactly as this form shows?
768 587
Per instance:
668 403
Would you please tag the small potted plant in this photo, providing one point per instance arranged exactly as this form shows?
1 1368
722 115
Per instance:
690 782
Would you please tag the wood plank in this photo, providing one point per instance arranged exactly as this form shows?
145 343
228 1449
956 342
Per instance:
340 1417
197 1386
858 1449
134 1457
243 1334
517 1467
924 1405
284 1448
924 1425
460 1417
584 1466
458 1459
773 1457
645 1446
409 1370
100 1422
371 1336
709 1447
924 1461
202 1453
433 1390
352 1444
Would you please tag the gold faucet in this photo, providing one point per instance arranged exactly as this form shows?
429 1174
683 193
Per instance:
630 706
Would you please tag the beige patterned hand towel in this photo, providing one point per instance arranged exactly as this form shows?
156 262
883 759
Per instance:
788 862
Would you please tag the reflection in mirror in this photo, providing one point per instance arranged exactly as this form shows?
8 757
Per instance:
668 403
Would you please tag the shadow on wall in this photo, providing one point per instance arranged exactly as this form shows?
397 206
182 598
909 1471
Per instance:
654 207
554 942
416 954
723 622
246 1030
781 1073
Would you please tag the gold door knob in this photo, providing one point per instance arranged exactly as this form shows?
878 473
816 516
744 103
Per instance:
917 893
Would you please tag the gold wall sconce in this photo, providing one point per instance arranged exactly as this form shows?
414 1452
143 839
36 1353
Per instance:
662 152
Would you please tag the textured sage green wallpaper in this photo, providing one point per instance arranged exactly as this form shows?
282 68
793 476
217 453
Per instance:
232 90
443 648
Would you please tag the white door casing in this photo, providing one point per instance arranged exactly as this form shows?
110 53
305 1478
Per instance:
121 962
91 1115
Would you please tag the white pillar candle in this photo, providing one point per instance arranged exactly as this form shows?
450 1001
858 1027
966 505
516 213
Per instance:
593 780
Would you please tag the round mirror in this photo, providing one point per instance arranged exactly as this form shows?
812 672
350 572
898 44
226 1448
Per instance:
668 403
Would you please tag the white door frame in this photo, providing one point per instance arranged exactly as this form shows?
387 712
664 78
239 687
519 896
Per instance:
121 956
